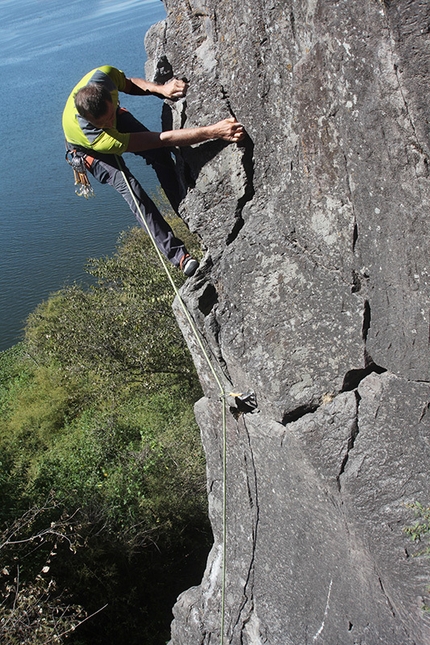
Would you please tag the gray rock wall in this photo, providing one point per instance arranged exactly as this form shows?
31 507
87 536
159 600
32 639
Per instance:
314 293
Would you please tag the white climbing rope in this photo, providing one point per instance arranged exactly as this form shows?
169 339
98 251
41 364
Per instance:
221 393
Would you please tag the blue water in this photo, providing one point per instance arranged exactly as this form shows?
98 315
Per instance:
46 231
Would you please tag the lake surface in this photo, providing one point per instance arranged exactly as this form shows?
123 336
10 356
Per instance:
46 232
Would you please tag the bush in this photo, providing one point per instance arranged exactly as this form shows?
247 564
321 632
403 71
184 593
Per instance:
120 332
32 611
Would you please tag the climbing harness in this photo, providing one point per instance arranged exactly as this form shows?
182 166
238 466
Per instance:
245 402
78 164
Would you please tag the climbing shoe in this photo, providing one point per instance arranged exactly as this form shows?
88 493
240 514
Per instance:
188 265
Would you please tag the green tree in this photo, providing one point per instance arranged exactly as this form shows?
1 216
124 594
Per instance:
96 412
121 331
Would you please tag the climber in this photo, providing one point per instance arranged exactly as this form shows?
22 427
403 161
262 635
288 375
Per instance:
98 131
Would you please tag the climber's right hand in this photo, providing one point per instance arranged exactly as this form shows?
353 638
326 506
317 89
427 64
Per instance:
228 130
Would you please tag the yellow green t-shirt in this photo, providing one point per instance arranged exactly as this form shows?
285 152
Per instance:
78 131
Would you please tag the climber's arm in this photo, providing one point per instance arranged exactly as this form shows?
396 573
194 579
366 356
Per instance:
173 89
227 130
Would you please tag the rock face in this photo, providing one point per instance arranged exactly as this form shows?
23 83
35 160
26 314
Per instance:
314 293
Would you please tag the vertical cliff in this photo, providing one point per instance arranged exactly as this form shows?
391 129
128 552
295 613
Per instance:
313 293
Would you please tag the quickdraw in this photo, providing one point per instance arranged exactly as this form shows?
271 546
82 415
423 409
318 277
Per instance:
243 402
84 188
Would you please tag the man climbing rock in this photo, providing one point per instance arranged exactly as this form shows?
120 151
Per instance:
99 131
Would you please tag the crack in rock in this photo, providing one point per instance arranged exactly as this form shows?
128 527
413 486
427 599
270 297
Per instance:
246 608
350 445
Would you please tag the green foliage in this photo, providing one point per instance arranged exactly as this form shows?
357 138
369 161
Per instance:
40 408
137 471
96 414
420 531
119 332
14 372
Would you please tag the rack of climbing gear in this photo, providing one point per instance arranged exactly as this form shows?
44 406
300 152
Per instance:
84 188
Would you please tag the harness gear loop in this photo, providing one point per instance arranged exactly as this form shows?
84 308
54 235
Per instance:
80 164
